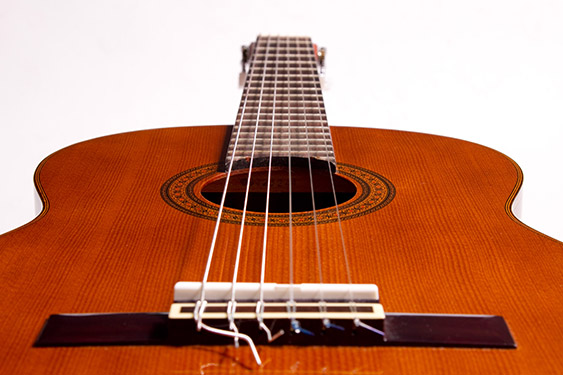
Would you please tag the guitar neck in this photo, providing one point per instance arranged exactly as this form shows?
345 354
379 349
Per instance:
281 113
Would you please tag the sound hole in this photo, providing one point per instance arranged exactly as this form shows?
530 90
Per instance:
301 196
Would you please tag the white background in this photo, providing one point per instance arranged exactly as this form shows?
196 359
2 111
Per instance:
488 71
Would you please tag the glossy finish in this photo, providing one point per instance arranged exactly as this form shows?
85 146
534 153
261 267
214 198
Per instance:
447 243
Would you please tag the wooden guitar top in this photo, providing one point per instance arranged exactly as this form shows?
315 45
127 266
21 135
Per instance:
108 240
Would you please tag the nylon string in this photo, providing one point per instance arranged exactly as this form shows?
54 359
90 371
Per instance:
353 308
201 304
291 303
241 233
326 130
260 304
224 194
322 303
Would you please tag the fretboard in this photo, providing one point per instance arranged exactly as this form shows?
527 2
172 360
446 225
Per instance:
281 112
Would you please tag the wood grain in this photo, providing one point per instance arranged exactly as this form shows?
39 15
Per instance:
447 243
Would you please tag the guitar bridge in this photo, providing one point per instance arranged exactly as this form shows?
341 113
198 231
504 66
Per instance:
303 323
282 313
351 322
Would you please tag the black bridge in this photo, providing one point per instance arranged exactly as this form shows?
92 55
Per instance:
424 330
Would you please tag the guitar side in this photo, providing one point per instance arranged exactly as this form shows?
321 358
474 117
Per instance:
447 243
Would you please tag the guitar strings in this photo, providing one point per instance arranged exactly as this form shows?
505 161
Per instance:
202 302
260 304
325 132
291 303
353 307
200 306
232 302
225 188
322 303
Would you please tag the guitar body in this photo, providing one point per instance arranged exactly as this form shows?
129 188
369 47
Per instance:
107 241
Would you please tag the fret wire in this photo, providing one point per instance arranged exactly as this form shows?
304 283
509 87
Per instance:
281 116
296 52
304 40
266 115
297 62
294 128
294 59
300 46
281 110
294 76
309 86
290 78
312 93
296 39
317 151
299 150
280 139
301 117
303 44
289 72
290 65
310 90
300 43
264 144
268 91
308 97
307 109
313 87
317 134
291 75
269 84
296 56
319 124
269 81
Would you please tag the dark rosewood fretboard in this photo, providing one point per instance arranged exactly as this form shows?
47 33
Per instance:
283 91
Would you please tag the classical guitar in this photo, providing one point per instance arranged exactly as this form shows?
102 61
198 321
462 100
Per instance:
279 245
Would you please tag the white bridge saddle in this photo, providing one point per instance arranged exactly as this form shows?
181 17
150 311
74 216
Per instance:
308 301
